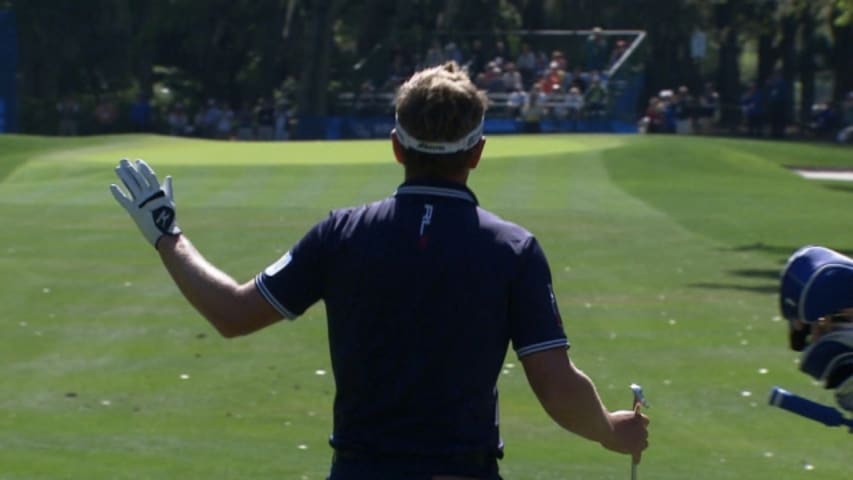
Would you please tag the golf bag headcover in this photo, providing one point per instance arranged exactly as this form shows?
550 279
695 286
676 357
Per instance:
816 282
830 360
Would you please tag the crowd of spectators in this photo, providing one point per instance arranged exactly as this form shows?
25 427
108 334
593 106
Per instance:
264 119
528 85
762 110
833 120
678 111
568 87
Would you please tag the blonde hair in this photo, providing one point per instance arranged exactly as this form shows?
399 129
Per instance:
440 104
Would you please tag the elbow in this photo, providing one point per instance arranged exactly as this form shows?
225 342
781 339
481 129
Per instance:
228 326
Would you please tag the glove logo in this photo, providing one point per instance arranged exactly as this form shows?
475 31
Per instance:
163 218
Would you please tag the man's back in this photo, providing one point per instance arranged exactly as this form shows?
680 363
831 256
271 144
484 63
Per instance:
417 308
422 294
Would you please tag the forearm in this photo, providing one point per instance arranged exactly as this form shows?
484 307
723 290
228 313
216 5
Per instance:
570 398
211 291
575 405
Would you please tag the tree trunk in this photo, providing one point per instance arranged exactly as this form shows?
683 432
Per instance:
842 60
788 51
314 83
766 57
807 65
728 68
728 78
532 14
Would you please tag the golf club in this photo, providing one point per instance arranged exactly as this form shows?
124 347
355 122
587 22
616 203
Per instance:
639 401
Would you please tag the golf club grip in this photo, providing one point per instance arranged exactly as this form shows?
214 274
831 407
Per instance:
824 414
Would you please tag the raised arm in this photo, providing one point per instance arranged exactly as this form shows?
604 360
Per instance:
233 309
570 398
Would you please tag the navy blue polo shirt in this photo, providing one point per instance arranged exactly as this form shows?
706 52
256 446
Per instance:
424 292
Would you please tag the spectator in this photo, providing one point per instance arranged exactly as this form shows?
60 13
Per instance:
595 98
709 108
516 101
197 128
653 121
452 53
667 106
365 99
494 79
526 64
282 120
225 125
534 109
211 119
511 78
560 58
825 119
106 114
500 54
400 70
752 106
845 135
553 78
578 79
245 122
595 50
616 54
476 58
266 120
178 121
481 80
434 55
140 114
543 64
69 116
571 107
683 111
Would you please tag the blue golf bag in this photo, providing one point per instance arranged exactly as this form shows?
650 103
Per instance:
818 283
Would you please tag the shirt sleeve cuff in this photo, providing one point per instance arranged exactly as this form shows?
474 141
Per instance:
265 292
538 347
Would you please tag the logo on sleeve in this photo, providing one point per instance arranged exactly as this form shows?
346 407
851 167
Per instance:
279 265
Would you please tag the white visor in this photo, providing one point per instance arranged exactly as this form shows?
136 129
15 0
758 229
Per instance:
465 143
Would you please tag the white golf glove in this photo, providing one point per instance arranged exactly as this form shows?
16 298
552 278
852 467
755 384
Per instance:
151 206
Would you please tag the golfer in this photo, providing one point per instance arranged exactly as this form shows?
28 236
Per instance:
424 292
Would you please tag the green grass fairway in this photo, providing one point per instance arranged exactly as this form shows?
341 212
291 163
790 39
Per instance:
665 253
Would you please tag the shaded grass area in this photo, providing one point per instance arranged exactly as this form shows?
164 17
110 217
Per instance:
664 252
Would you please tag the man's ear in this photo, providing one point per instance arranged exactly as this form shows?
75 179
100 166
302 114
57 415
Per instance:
398 149
476 153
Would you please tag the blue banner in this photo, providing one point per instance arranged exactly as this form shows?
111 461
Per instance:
8 70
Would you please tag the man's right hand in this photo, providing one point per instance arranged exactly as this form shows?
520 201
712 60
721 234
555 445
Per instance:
630 433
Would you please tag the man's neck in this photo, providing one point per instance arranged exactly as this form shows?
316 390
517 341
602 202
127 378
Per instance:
461 179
